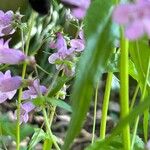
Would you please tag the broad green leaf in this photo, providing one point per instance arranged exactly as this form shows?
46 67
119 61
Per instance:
59 103
91 64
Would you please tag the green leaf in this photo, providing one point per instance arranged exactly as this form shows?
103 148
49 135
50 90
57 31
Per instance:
138 110
116 143
9 128
58 85
26 130
140 52
38 136
140 55
91 64
59 103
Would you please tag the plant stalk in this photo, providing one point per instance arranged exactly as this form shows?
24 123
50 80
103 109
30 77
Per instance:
124 89
105 105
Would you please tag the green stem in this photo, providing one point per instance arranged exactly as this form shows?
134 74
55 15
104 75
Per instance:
49 130
134 97
20 90
18 109
124 89
141 99
105 105
95 110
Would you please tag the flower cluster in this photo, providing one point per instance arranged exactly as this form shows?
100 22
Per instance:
78 7
9 84
64 53
135 17
33 91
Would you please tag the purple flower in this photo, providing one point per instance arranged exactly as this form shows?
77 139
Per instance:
9 55
34 90
26 108
135 17
78 7
65 55
6 19
76 45
8 86
62 51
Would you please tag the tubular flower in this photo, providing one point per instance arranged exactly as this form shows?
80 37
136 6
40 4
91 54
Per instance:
135 17
8 85
6 20
76 45
26 108
78 7
9 55
34 90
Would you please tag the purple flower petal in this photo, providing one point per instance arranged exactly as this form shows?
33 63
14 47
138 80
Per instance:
134 30
26 94
146 23
61 42
27 107
122 13
6 19
24 118
10 56
10 84
78 8
11 94
77 44
78 12
3 97
52 58
7 30
33 91
81 35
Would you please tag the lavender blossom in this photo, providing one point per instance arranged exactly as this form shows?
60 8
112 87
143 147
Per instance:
78 7
62 51
135 17
26 108
34 90
9 55
64 54
77 45
6 20
8 86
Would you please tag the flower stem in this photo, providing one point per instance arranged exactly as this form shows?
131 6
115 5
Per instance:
95 109
124 89
105 105
18 110
49 130
20 90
